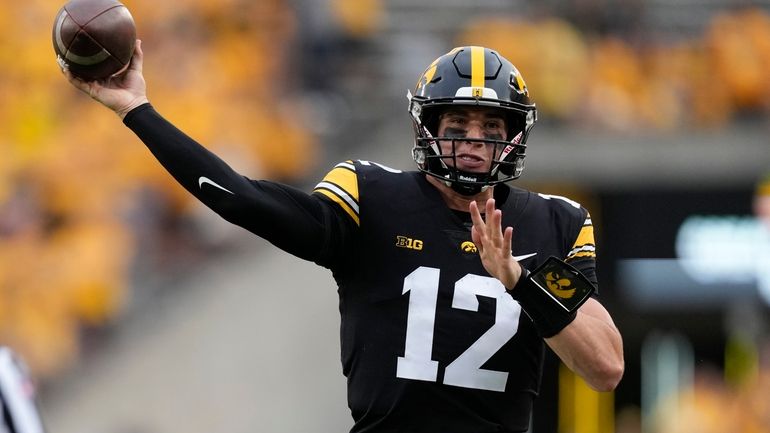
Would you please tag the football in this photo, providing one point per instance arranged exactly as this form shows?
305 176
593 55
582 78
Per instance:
94 39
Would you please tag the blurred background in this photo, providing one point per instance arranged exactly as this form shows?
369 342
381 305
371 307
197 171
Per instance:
139 311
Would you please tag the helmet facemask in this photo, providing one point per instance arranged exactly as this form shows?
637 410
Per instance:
471 77
507 154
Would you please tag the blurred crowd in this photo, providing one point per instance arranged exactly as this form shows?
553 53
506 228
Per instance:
640 83
82 201
80 197
713 404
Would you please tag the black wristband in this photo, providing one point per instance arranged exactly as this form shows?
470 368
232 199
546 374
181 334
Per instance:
551 295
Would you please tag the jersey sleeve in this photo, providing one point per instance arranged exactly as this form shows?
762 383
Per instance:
299 223
584 245
340 186
582 255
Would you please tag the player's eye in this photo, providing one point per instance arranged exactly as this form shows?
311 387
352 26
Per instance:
456 121
494 125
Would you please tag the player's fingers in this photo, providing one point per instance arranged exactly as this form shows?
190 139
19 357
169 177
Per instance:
489 208
476 238
68 75
77 82
476 216
492 229
508 240
494 221
91 88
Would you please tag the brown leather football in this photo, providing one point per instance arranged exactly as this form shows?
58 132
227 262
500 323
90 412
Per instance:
95 39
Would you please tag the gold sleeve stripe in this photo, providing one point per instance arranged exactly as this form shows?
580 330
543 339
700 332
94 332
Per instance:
591 254
340 193
478 74
583 251
341 186
585 237
585 245
344 176
335 198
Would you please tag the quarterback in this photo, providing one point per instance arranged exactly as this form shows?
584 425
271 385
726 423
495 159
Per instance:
451 281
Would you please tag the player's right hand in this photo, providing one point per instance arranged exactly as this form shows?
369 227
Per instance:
494 244
121 93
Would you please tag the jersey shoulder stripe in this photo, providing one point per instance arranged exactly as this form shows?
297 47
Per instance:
341 186
585 245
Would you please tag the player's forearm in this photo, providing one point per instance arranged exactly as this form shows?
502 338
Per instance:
592 347
288 218
191 164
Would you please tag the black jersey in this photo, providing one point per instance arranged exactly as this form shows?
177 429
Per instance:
431 342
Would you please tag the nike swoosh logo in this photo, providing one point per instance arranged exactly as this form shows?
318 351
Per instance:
203 179
525 256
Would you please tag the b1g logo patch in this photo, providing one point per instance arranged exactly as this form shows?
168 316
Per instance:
409 243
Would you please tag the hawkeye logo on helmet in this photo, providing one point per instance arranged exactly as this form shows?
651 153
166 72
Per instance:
427 76
477 92
517 82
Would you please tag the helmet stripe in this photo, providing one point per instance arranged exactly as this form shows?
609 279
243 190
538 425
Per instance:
477 67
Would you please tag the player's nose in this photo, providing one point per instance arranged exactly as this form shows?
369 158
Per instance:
473 132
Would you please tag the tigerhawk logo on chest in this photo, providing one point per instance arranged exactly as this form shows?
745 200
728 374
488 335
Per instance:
469 247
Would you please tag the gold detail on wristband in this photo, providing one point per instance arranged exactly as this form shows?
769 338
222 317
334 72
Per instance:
559 285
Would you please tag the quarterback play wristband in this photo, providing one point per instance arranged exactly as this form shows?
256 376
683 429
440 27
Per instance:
551 295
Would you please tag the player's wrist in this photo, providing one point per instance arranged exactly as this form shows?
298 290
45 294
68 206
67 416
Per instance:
551 295
514 274
123 111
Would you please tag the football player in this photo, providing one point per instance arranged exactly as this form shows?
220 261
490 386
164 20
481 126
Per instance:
451 282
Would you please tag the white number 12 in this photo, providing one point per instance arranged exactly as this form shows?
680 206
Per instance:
465 371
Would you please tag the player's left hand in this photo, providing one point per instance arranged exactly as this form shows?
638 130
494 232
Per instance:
494 244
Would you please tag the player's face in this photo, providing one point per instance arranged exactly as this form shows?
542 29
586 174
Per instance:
471 123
